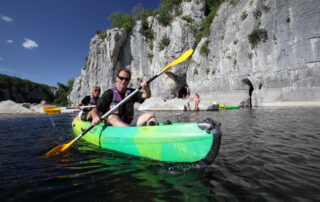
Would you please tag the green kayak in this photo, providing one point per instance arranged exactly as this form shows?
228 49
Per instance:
177 142
231 107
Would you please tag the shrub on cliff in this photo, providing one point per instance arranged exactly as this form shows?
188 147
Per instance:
165 41
256 36
101 34
165 12
122 20
212 7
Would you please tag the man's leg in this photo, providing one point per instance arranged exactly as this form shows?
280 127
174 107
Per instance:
147 118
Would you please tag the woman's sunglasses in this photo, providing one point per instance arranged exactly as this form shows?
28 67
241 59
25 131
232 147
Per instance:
124 78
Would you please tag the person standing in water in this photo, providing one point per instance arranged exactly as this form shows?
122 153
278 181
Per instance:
196 101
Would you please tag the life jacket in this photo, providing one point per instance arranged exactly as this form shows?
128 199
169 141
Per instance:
126 111
93 101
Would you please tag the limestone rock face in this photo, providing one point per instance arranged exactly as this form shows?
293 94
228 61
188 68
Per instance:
283 68
157 103
281 59
143 57
100 68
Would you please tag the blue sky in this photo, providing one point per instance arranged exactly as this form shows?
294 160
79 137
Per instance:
46 41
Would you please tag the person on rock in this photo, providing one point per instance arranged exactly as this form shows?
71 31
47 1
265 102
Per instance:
124 115
89 100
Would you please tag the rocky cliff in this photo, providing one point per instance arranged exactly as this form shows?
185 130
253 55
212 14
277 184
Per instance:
268 49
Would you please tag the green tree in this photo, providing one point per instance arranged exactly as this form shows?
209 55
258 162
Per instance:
63 92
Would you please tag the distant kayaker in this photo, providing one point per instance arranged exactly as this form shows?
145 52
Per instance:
196 101
89 100
124 115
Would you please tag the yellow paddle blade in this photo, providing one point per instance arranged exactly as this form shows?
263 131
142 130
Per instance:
56 151
51 110
182 58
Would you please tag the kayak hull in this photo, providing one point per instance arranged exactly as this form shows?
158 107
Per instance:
178 142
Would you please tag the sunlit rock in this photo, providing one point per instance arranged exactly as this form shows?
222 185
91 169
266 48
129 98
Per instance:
9 106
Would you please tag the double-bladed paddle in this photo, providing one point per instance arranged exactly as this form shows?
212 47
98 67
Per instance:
55 110
61 148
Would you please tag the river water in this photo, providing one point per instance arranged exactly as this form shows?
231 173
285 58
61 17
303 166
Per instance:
266 154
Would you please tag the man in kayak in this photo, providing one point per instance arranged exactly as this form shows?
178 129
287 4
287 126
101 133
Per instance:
124 115
89 100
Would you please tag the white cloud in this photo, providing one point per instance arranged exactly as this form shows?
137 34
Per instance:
9 41
6 18
29 44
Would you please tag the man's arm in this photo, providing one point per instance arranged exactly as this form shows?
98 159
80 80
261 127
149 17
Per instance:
95 116
147 92
84 101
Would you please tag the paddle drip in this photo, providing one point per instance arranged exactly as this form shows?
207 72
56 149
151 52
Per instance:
54 125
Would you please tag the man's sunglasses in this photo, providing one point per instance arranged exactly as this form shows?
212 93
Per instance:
124 78
97 91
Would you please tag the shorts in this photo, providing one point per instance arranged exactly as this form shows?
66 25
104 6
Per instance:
133 122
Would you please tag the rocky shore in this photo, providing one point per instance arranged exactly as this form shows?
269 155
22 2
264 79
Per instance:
158 104
11 107
154 103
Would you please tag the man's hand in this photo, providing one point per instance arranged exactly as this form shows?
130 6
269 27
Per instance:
147 92
144 85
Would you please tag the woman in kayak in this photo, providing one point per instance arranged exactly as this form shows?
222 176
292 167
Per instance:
124 115
89 100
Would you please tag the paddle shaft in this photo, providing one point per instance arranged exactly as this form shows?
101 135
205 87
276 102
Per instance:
82 107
